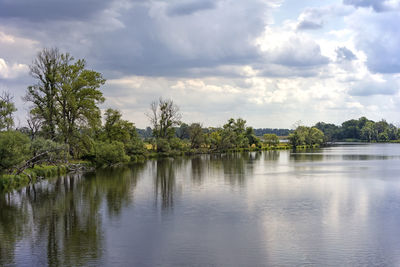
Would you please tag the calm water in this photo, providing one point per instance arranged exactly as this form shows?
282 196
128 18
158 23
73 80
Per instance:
338 206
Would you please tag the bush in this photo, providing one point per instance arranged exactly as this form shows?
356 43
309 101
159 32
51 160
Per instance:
163 145
108 154
14 149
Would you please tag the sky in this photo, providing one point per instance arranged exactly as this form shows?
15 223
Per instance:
272 62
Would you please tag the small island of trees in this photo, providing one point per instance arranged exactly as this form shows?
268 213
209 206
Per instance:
65 130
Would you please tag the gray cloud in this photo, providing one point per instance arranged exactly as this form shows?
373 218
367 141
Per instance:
297 52
344 54
377 5
309 25
45 10
188 8
142 38
370 87
378 35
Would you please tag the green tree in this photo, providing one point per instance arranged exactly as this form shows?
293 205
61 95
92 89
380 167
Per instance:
117 129
77 98
45 70
7 108
252 138
368 132
271 139
196 135
164 116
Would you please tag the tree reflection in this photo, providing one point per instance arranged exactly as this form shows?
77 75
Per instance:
65 214
12 221
271 155
236 166
165 183
198 164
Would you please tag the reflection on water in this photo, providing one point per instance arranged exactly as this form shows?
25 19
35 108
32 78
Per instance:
165 183
335 206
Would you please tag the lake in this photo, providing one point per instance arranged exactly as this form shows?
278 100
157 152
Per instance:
337 206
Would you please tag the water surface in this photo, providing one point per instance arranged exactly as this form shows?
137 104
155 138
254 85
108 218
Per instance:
337 206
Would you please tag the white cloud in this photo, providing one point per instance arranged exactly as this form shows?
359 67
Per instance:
8 71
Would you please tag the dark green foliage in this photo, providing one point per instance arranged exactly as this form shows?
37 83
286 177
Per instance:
183 132
14 149
361 129
196 135
108 154
308 136
163 145
233 135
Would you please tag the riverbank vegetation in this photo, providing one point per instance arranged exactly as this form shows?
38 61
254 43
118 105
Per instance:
65 129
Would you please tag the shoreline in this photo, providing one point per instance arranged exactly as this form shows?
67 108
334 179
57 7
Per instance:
10 182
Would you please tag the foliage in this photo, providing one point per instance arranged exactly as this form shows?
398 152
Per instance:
309 136
116 129
45 70
77 97
65 97
196 135
271 139
48 151
108 154
14 149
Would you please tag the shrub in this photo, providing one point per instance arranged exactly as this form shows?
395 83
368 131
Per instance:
108 154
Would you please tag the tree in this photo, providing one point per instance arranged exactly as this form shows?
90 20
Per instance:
108 154
271 139
196 135
306 136
183 131
7 108
164 116
45 69
122 131
252 138
77 97
368 132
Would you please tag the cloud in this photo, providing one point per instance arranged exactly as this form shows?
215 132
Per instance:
309 25
50 10
378 36
314 18
376 5
370 86
345 54
188 8
8 71
290 49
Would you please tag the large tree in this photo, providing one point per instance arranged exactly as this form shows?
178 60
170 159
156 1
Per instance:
77 97
164 116
45 70
66 95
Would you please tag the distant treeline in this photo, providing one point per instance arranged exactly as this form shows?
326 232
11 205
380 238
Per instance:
180 132
362 129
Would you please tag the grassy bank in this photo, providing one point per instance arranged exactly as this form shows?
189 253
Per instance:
9 182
